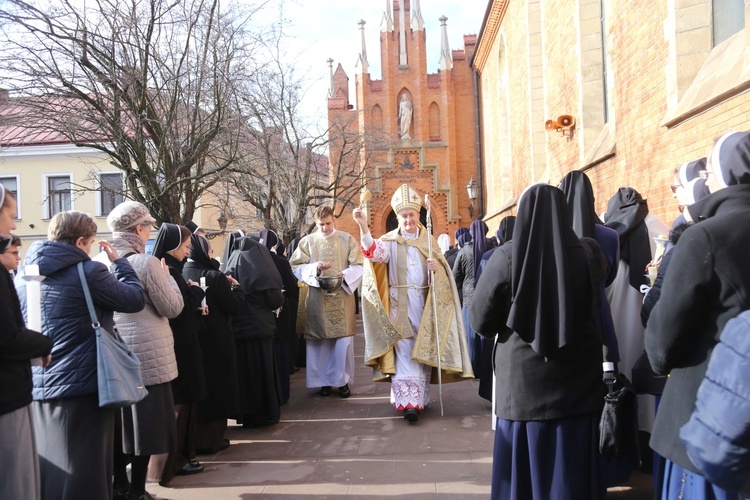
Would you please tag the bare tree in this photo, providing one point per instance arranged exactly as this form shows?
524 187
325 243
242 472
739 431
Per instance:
153 84
285 171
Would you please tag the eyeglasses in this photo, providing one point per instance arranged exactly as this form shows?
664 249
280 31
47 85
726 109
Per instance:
703 174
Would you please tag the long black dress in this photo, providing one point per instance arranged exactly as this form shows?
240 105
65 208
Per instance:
254 328
217 343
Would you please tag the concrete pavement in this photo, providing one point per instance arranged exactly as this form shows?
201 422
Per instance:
359 448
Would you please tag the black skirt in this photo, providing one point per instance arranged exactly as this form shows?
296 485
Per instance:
148 427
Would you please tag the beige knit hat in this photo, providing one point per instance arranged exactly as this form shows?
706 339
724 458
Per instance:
128 214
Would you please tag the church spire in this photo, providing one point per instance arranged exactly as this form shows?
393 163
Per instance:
446 61
330 70
416 16
387 19
402 61
363 55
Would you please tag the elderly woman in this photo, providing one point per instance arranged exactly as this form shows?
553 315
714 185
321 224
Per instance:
224 297
18 458
173 245
148 427
71 427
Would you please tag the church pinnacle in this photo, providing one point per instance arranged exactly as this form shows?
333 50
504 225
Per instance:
446 61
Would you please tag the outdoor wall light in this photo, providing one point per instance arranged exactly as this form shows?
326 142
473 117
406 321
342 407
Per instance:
472 188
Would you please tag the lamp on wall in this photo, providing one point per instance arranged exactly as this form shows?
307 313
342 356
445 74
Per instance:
565 124
222 220
472 188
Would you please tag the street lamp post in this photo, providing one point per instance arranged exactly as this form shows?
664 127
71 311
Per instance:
472 188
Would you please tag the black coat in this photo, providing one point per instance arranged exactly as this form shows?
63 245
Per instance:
190 384
286 322
530 387
450 256
709 286
217 341
18 346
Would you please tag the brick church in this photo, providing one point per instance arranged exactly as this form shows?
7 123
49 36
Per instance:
418 127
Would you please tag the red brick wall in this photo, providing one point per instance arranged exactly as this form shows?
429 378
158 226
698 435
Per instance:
646 151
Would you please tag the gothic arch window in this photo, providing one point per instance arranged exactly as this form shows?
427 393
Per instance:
377 117
434 117
727 18
595 77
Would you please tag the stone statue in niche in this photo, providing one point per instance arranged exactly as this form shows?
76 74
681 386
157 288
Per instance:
405 111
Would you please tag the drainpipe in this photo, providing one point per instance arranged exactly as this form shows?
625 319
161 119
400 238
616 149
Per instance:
477 128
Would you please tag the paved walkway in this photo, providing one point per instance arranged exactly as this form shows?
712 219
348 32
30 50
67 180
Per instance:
359 448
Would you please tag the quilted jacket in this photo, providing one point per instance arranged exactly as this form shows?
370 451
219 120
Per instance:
148 332
65 315
717 436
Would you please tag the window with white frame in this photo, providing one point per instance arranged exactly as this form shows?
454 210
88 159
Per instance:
59 194
10 182
110 193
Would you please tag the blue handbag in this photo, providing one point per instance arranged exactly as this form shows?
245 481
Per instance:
118 369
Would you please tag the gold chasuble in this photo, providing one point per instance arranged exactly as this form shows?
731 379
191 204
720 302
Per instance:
330 315
382 333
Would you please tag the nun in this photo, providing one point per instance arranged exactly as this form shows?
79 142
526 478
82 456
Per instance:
579 195
173 245
254 327
224 298
628 214
711 287
536 297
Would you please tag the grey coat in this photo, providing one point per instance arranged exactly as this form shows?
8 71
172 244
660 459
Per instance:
463 272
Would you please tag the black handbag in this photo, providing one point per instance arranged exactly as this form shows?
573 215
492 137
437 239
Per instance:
118 369
618 427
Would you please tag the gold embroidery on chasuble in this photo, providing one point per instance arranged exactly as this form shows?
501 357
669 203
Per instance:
331 314
381 334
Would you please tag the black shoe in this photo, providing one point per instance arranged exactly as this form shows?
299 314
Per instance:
195 462
344 391
189 469
411 414
325 391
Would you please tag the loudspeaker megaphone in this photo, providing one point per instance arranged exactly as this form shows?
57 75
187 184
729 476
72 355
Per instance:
566 121
551 125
